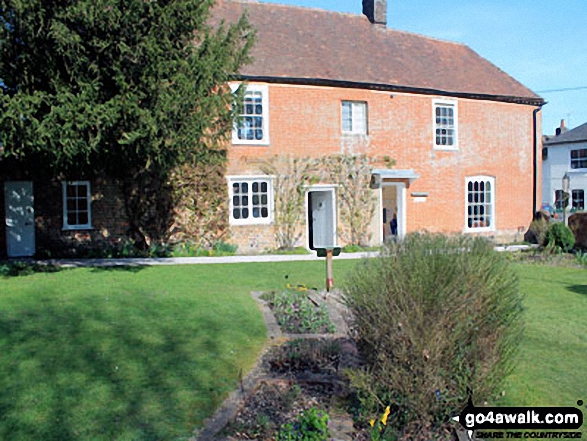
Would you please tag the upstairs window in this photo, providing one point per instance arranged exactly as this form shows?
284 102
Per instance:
252 124
480 204
76 205
250 201
445 124
579 158
354 117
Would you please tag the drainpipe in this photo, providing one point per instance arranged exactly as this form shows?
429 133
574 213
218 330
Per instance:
535 159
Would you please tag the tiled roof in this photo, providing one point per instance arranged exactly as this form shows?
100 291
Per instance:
304 45
578 134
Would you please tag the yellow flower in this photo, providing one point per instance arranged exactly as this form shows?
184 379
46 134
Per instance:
372 422
385 415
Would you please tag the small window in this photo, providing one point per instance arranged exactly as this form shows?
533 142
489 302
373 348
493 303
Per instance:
77 213
578 200
579 158
252 124
559 197
445 124
250 201
480 204
354 117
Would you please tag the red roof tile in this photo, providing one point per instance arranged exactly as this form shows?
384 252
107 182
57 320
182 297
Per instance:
310 45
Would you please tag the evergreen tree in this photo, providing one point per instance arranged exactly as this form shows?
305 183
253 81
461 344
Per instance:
126 88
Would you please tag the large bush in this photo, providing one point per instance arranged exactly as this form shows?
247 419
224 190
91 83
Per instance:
559 235
434 315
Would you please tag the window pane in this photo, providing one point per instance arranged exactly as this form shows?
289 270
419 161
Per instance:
71 204
264 212
82 218
245 213
236 213
359 114
346 116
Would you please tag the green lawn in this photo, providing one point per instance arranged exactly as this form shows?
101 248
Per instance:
129 354
148 353
552 363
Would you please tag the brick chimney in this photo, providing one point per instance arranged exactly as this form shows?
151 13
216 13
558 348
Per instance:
562 129
376 11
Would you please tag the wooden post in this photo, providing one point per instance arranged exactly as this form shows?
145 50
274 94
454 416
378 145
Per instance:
329 279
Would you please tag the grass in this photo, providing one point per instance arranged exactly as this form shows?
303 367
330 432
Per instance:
148 353
129 354
552 363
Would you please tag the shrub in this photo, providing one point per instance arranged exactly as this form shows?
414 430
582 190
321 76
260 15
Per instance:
311 425
434 315
538 228
559 235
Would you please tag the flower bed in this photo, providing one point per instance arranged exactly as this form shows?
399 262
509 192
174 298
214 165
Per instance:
297 313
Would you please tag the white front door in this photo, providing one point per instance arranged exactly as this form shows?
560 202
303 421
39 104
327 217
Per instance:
20 218
322 221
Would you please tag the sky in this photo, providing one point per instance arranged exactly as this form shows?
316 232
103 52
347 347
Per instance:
541 43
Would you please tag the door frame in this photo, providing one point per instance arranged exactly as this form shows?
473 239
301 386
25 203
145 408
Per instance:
400 188
323 188
9 252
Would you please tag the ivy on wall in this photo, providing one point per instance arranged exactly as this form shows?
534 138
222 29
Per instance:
351 174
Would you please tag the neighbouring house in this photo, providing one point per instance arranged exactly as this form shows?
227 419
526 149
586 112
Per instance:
347 125
565 154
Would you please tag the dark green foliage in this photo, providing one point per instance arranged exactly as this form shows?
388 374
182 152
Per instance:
559 235
312 425
434 315
132 89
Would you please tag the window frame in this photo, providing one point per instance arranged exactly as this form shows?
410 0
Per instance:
558 202
354 131
582 159
66 224
251 88
493 217
581 199
250 180
454 105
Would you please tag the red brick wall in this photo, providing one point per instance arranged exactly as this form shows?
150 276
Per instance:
495 139
108 219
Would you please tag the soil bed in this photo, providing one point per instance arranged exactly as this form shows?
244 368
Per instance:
301 374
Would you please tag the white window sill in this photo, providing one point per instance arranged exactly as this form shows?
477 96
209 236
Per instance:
446 148
479 230
245 142
355 135
239 223
77 227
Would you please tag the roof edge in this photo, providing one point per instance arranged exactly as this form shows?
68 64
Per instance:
392 88
555 142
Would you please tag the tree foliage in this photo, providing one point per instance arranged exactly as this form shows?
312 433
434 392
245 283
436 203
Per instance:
130 88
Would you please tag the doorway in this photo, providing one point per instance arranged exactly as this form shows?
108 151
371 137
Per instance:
393 214
20 218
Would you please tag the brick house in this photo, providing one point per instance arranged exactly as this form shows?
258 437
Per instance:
461 133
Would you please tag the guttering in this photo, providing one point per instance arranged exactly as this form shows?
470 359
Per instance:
391 88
